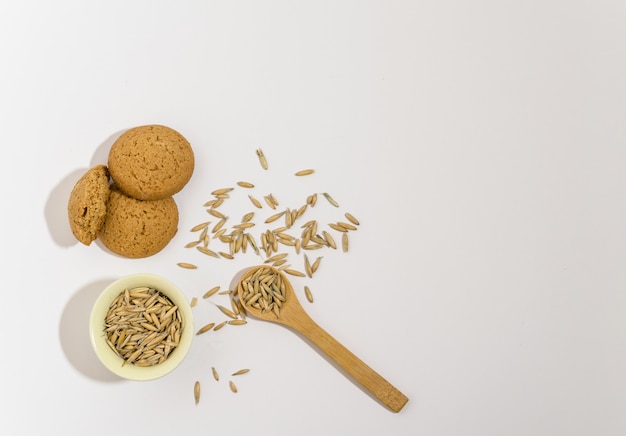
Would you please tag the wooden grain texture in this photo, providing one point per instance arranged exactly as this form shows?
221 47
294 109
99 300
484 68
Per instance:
293 315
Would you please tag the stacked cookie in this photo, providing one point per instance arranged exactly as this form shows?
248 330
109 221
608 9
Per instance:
128 204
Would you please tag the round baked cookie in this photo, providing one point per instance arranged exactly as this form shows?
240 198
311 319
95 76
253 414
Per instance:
87 204
138 228
151 162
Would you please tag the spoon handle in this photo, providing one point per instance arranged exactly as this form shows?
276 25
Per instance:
355 367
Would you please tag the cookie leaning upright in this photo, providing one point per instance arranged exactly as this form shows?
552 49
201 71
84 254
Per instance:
151 162
87 205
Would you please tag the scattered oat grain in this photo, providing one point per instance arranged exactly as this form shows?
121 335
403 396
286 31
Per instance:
329 240
330 199
346 226
247 217
352 219
219 326
207 251
232 385
238 322
274 217
305 172
227 311
216 202
337 227
262 159
187 265
196 392
216 213
221 191
244 225
316 264
219 225
309 295
307 266
200 226
206 328
211 291
276 257
256 202
294 272
268 201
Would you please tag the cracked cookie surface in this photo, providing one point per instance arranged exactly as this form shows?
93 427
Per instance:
138 228
151 162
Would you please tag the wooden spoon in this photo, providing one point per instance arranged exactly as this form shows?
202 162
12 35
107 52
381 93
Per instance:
290 313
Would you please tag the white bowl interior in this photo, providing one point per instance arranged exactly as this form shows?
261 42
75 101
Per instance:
109 358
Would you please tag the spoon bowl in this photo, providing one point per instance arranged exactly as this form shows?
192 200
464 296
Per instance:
272 288
268 295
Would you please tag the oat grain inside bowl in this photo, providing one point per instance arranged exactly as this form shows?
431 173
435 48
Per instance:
143 326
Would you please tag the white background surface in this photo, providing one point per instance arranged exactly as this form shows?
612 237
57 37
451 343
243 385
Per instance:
481 145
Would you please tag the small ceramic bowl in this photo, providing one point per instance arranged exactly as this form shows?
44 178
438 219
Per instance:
112 361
